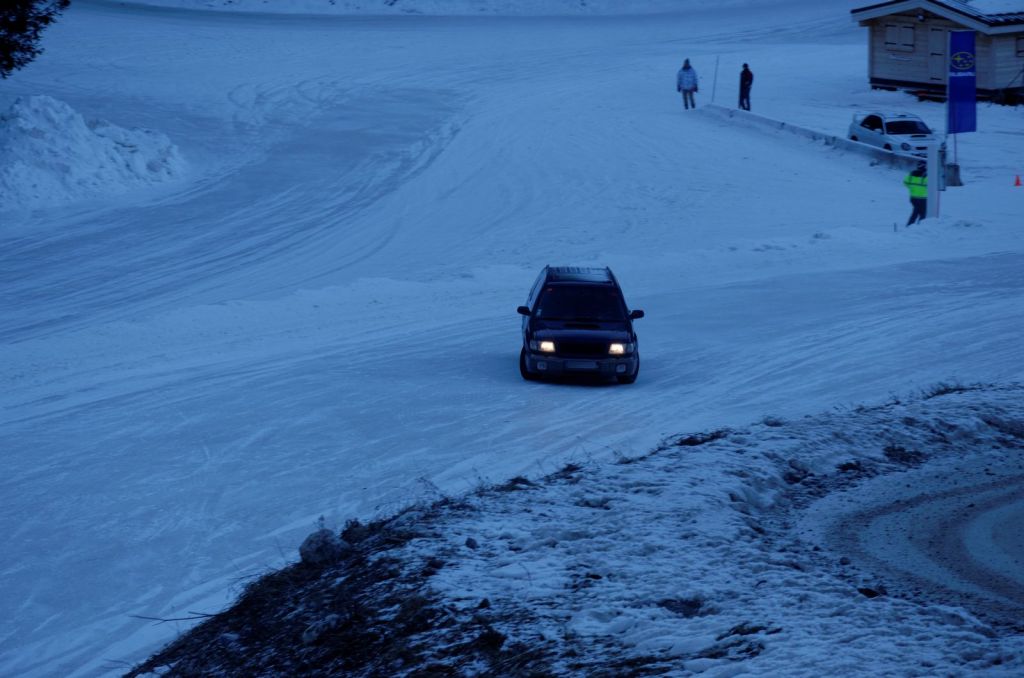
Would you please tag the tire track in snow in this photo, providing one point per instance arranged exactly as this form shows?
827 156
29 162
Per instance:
245 235
942 546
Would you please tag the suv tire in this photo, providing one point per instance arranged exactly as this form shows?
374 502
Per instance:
526 374
629 379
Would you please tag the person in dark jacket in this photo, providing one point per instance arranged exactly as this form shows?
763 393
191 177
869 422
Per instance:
917 183
686 82
746 81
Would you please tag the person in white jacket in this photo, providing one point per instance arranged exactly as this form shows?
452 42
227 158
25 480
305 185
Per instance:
686 82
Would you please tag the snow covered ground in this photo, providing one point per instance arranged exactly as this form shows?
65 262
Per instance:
687 559
449 7
746 551
316 315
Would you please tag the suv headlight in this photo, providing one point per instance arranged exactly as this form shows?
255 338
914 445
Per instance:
621 349
542 346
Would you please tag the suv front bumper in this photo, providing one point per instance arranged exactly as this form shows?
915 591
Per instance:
545 364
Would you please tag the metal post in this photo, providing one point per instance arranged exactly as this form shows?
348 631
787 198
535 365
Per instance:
943 167
934 180
714 84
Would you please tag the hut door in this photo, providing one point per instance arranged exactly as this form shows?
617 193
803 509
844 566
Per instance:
937 54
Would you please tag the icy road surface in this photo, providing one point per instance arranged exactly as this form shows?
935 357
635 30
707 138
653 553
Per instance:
321 320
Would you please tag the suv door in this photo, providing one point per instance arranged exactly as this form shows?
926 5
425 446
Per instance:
531 301
871 128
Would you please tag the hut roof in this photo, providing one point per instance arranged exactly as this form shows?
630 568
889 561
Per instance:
986 16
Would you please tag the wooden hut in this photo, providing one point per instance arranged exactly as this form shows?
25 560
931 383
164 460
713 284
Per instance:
908 41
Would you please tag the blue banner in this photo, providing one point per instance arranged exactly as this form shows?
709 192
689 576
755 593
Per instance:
961 92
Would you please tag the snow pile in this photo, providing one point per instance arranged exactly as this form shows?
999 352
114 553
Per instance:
451 7
52 155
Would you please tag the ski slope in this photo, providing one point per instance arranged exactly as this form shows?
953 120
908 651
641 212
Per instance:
318 319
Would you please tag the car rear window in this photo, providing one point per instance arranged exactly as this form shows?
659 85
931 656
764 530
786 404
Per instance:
580 302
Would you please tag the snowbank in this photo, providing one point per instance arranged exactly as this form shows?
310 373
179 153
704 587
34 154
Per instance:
52 155
450 7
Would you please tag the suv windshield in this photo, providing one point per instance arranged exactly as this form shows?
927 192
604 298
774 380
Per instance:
907 127
580 302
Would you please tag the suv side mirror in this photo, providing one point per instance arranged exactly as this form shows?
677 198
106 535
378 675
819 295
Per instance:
523 310
634 315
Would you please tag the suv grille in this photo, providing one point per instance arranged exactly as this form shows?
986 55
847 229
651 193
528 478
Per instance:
582 348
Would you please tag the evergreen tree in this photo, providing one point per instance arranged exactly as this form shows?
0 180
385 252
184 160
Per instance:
21 22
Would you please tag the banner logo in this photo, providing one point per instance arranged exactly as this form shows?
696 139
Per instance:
962 61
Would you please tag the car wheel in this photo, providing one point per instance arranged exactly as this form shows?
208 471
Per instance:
630 378
887 147
522 367
853 137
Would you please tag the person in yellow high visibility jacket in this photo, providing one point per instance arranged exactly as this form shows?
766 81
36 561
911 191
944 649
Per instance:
917 183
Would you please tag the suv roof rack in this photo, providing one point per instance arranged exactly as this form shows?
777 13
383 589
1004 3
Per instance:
579 274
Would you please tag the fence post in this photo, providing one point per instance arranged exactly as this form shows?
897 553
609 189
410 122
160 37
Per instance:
934 180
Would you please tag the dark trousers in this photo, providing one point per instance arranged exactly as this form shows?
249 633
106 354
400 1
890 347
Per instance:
920 210
745 98
688 101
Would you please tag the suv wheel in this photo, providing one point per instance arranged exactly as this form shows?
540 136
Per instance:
629 379
522 366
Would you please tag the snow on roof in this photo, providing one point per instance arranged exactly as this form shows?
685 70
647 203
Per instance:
997 6
995 12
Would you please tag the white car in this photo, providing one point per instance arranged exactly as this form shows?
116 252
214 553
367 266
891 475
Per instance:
903 133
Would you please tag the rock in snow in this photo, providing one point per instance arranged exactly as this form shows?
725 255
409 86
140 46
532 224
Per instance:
53 155
323 547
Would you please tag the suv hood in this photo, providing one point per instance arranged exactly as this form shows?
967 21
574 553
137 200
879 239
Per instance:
591 330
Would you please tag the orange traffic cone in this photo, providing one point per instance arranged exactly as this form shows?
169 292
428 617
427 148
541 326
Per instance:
1017 183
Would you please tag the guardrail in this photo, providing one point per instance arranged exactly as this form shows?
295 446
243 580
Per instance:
880 155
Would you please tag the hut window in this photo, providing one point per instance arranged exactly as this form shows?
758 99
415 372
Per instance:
899 38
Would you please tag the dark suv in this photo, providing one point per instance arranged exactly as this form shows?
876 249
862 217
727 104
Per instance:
577 323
